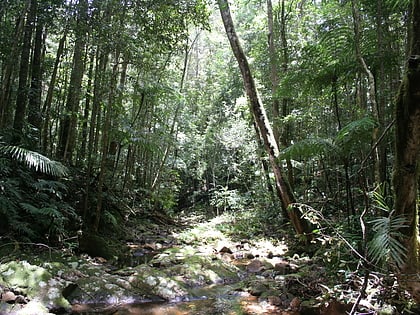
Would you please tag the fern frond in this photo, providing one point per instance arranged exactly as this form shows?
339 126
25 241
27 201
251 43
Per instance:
31 209
110 218
51 187
355 133
35 160
51 212
308 148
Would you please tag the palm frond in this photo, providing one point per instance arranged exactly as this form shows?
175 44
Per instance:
35 160
385 246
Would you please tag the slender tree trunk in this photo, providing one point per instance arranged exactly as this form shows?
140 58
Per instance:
84 134
105 142
381 87
371 87
8 73
407 159
46 109
274 76
69 123
264 163
34 105
158 173
22 94
282 187
101 62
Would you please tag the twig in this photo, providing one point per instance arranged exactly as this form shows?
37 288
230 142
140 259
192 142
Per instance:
367 272
376 144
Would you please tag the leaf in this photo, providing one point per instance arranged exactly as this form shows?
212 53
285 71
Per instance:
385 245
355 133
308 148
35 160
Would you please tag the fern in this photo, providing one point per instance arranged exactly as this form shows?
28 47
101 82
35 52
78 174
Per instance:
110 218
354 134
385 247
34 160
55 188
308 148
49 212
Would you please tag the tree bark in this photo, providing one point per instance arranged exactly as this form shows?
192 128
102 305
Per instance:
407 166
46 108
6 110
22 94
105 150
371 89
69 122
282 187
34 106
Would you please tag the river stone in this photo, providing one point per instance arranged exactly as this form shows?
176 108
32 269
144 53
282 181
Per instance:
255 266
32 308
35 282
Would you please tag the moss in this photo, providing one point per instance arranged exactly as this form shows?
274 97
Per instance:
35 282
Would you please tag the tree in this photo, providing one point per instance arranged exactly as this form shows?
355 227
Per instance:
282 187
69 124
22 95
407 138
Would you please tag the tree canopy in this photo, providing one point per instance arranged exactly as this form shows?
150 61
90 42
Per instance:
115 109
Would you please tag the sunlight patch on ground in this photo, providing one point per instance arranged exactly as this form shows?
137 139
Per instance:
216 234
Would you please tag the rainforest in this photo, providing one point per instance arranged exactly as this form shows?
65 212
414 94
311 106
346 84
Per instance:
190 157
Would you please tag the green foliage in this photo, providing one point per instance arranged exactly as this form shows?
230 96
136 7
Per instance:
350 139
355 135
385 247
308 148
34 160
32 204
223 198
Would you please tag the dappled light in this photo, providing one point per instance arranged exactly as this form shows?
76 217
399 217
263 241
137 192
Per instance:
232 157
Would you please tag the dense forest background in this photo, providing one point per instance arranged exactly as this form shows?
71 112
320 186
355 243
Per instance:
111 110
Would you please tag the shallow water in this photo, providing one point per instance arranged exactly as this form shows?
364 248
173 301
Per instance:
195 307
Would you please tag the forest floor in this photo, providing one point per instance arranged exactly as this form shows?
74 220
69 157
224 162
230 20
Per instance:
219 265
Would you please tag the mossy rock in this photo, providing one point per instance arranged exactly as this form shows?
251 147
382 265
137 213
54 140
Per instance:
160 283
35 282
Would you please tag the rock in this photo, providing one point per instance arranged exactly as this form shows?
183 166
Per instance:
258 289
255 266
34 282
225 249
295 304
249 256
274 300
282 268
8 297
34 308
96 246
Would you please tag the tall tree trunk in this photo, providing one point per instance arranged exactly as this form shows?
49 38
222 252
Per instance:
274 76
8 73
106 147
46 108
371 86
407 166
22 94
69 123
381 87
284 192
84 134
101 63
34 105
